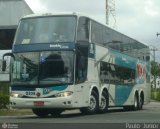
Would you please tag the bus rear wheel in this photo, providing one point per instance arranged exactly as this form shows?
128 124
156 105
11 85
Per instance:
136 103
93 107
104 102
140 105
40 112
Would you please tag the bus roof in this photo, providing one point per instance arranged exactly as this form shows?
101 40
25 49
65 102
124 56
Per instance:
78 15
53 14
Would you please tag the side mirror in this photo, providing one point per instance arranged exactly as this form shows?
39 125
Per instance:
4 65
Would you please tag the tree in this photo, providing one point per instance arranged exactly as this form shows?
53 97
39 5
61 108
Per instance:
155 69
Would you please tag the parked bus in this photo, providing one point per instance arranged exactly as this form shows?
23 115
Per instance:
69 61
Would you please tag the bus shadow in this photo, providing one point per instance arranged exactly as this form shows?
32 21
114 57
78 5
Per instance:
79 114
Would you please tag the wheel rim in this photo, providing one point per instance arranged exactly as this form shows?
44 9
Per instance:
103 102
135 102
92 103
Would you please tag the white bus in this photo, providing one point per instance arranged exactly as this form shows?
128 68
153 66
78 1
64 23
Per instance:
69 61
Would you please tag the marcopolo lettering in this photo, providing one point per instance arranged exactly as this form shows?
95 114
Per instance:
58 46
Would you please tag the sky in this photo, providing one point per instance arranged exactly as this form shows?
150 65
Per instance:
139 19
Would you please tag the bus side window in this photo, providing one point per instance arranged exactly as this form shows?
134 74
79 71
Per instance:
96 33
114 74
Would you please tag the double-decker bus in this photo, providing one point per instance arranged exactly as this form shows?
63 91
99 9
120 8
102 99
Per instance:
70 61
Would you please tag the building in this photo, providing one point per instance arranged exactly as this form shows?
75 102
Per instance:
157 82
10 11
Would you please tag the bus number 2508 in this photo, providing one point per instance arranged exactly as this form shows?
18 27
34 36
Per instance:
30 93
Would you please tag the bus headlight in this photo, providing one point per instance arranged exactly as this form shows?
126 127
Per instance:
64 94
15 95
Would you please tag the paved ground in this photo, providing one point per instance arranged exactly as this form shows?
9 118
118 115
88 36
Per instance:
149 114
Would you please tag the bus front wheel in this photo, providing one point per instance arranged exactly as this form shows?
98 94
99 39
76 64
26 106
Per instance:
93 106
40 112
56 112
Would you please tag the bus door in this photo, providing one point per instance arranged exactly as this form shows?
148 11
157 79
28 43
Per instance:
81 85
81 66
82 51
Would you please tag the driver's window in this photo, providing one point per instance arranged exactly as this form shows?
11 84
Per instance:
83 29
82 63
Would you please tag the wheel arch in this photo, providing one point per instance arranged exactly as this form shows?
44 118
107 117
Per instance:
94 88
136 93
103 89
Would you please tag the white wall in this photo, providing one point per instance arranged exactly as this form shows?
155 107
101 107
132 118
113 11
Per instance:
11 11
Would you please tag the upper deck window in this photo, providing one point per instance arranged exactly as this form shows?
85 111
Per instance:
46 30
83 29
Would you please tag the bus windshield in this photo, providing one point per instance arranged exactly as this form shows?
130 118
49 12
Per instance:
43 68
46 30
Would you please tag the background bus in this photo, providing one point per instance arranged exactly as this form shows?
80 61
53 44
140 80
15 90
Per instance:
68 61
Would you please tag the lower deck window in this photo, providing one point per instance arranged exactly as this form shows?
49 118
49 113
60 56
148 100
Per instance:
113 74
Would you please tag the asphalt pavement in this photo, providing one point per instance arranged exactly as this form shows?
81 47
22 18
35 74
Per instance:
116 118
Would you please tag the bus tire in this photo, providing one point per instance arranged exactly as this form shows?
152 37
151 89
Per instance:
136 103
140 105
104 102
128 108
56 112
94 104
40 112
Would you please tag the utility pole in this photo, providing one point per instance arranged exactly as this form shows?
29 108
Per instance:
107 13
154 60
110 11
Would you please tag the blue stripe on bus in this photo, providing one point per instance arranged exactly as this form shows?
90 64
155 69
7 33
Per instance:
122 93
53 88
43 47
58 88
22 89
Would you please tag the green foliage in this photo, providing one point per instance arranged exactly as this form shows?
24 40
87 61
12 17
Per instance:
158 95
155 69
4 101
153 94
4 87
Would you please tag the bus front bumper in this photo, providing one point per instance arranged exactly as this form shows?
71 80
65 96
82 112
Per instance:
59 102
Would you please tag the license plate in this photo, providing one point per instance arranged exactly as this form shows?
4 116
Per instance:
38 103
